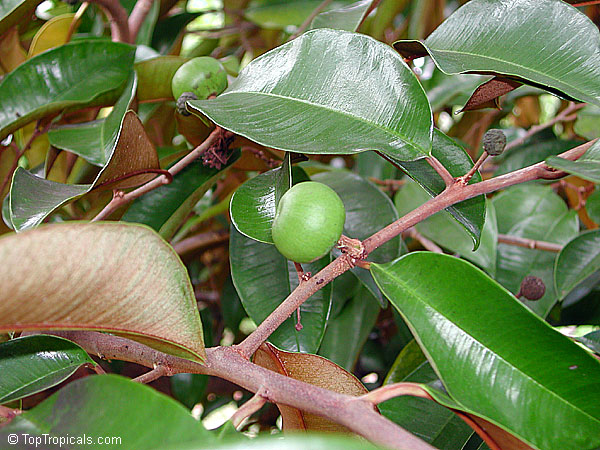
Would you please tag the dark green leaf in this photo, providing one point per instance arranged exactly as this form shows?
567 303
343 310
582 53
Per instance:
588 121
346 18
470 213
165 208
473 332
592 341
578 260
168 29
347 332
425 418
586 167
532 212
33 363
508 37
188 388
264 278
309 96
108 406
279 14
444 230
71 75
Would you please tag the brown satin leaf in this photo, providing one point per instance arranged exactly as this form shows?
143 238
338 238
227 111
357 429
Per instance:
312 369
486 95
193 129
495 437
411 49
12 54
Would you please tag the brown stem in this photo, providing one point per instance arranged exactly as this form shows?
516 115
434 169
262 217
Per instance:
76 19
426 243
529 243
441 170
389 391
302 28
454 194
154 374
200 241
122 200
227 363
137 16
467 177
250 407
119 28
373 5
590 3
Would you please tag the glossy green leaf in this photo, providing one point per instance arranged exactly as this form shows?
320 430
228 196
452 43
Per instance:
110 277
168 29
592 206
444 230
96 141
130 414
11 12
348 331
310 96
507 37
72 75
592 341
473 332
155 77
254 203
31 364
346 18
588 121
279 14
188 388
426 419
586 167
532 212
470 213
263 278
578 260
32 199
165 208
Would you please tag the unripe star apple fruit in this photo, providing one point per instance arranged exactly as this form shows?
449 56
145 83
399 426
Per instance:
204 76
309 221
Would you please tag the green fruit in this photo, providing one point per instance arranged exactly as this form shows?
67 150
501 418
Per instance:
204 76
309 221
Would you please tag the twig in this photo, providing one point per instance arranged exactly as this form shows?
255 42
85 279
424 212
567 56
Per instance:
137 16
373 5
119 27
454 194
426 243
529 243
121 200
467 177
227 363
9 413
389 184
250 407
441 170
200 241
75 22
159 370
564 115
302 28
590 3
380 395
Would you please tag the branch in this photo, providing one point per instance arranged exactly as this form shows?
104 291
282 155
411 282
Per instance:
426 243
250 407
529 243
227 363
451 195
119 28
380 395
137 16
441 170
200 241
121 200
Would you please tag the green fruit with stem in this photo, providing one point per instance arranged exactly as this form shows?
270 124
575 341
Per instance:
309 221
204 76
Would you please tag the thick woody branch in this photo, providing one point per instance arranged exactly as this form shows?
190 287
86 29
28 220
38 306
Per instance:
227 363
119 27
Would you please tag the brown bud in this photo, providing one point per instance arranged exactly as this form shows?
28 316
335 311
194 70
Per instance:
186 96
532 288
494 141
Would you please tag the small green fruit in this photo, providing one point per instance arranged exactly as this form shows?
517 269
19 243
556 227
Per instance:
204 76
309 221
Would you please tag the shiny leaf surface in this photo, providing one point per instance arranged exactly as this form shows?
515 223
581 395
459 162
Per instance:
586 167
532 212
279 14
473 330
310 369
166 207
306 95
155 77
111 277
507 37
578 260
108 406
346 18
31 364
263 278
72 75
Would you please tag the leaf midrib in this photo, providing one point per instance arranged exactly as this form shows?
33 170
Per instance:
336 111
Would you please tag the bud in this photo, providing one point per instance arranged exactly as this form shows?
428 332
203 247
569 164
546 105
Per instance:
186 96
494 141
532 288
